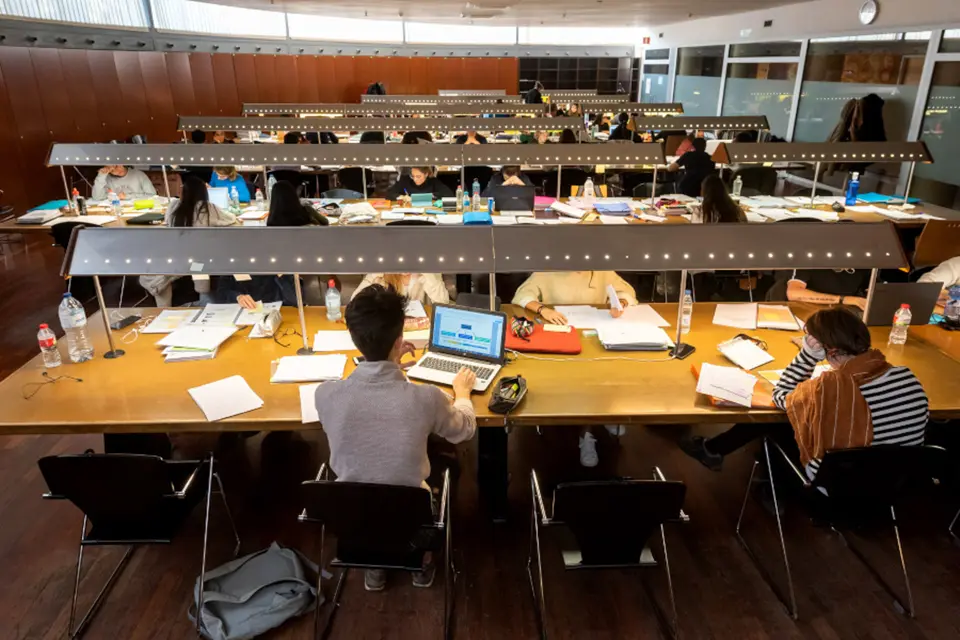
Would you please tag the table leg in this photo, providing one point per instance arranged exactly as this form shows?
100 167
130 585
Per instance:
492 474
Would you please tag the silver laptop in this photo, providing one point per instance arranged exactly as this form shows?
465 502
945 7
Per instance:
462 337
219 196
888 296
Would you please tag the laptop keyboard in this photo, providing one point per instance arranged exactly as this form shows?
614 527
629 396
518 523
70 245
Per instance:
449 366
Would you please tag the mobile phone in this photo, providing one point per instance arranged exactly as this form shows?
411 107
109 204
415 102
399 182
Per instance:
359 359
125 322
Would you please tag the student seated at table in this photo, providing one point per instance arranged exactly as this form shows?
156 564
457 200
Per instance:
288 210
228 177
697 165
863 400
292 137
622 130
198 136
574 288
829 286
194 209
947 273
717 205
509 176
427 288
470 137
419 180
376 422
416 137
220 137
126 182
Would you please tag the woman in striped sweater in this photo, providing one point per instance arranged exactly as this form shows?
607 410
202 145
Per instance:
862 400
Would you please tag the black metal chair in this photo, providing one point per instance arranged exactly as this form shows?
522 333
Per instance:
378 526
612 522
852 488
346 194
352 178
130 500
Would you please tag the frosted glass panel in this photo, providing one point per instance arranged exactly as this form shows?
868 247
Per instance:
822 102
654 87
751 97
697 94
941 127
202 17
430 33
119 13
313 27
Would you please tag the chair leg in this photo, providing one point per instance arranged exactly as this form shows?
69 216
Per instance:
319 599
203 558
539 597
449 580
907 609
88 616
226 507
670 627
953 523
335 606
791 604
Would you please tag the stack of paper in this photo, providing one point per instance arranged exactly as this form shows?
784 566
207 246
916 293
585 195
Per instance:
224 398
250 317
566 210
754 217
773 316
333 341
179 354
309 368
738 316
774 213
308 403
414 309
826 216
744 353
218 315
804 201
170 319
450 218
726 383
650 218
616 219
253 214
503 221
581 316
198 338
631 336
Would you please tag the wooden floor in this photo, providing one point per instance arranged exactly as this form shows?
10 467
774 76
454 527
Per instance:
719 592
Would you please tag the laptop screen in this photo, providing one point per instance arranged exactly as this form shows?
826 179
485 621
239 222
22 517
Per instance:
219 196
468 332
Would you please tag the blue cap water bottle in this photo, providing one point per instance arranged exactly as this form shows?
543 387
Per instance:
490 206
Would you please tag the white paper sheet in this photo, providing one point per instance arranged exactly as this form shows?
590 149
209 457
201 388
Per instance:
517 213
581 316
248 318
358 208
754 217
641 314
310 368
415 309
613 299
450 218
566 210
606 219
530 221
744 353
651 218
97 220
333 341
770 201
503 221
218 315
631 335
773 213
726 383
224 398
927 216
893 213
738 316
308 403
826 216
198 337
169 320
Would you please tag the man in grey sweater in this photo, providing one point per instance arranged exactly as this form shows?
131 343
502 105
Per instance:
377 423
129 184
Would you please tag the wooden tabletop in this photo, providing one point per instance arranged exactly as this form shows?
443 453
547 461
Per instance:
139 392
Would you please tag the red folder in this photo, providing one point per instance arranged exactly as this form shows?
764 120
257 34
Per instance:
541 341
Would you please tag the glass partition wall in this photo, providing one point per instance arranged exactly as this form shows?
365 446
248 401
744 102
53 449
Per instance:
699 71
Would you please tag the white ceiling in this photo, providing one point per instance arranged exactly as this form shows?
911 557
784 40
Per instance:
554 13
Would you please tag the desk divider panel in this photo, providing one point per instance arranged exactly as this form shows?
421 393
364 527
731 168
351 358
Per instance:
215 123
307 109
706 122
439 100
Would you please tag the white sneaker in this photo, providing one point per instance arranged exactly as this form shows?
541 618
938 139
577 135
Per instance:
588 450
615 429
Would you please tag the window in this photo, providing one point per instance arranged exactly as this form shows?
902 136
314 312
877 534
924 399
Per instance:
560 36
312 27
840 69
656 80
202 17
951 41
940 182
116 13
764 49
656 54
761 88
698 80
428 33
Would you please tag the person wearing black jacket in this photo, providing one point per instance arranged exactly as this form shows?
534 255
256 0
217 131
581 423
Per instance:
419 180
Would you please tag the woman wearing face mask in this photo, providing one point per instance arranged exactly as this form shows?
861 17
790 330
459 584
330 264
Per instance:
862 400
420 180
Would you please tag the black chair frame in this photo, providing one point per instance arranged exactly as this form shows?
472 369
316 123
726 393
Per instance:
540 520
178 494
772 450
322 627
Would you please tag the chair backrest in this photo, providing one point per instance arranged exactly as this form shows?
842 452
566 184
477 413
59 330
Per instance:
374 523
612 520
412 222
348 194
352 178
477 300
122 492
879 474
372 137
61 232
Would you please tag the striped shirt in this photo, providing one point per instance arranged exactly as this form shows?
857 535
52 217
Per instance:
898 404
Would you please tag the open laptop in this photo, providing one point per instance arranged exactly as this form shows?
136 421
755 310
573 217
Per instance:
887 298
463 337
219 196
513 200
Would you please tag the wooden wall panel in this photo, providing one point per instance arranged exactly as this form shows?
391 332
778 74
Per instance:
49 95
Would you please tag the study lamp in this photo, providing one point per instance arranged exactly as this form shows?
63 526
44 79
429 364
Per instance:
387 109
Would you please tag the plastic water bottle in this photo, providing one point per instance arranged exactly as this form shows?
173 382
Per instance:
459 198
258 198
951 310
737 186
333 301
589 194
687 312
475 201
901 324
75 201
115 202
48 347
73 319
853 187
234 199
466 202
271 183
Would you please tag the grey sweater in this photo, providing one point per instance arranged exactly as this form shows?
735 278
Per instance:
134 185
377 424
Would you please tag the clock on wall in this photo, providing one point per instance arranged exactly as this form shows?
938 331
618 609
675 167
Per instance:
868 12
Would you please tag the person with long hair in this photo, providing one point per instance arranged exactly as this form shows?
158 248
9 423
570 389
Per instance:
567 136
228 177
575 288
194 208
422 287
287 210
419 180
717 205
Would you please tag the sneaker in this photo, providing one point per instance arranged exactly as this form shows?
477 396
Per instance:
424 579
374 579
696 448
588 450
616 430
